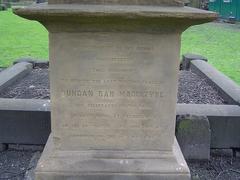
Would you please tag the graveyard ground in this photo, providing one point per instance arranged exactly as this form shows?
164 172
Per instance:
219 42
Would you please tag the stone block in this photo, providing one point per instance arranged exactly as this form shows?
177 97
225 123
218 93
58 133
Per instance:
24 121
193 134
225 132
224 122
113 79
187 58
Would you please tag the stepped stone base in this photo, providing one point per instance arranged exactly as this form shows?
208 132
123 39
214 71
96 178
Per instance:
111 165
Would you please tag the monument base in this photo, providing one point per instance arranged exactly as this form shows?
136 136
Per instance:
111 165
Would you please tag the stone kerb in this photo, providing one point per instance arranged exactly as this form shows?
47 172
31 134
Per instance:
188 58
12 74
224 122
35 116
24 121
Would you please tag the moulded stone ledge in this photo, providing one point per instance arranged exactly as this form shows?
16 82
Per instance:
126 2
115 18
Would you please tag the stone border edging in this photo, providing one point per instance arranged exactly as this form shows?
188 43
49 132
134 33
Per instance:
224 122
24 121
188 58
28 121
13 73
228 89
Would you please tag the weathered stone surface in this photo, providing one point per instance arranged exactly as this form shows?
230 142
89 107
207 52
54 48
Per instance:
224 122
102 18
24 121
119 2
113 82
225 131
194 136
119 104
103 165
187 58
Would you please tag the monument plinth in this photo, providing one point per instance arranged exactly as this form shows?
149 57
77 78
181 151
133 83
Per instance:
113 79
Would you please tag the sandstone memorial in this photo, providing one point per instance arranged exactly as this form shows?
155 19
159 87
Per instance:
113 79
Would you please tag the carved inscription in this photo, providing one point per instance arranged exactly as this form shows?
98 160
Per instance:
112 92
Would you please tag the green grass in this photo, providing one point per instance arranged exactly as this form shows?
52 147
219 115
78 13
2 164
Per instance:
21 38
220 43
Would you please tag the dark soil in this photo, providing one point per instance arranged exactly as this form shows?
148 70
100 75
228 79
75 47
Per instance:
192 88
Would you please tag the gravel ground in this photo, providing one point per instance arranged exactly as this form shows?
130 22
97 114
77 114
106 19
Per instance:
222 166
192 88
33 86
14 164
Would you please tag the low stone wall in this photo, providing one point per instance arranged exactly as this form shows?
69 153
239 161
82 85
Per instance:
28 121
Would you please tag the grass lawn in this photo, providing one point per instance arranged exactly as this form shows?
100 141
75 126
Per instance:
220 43
21 38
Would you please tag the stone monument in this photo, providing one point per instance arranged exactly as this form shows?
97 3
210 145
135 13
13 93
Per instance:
113 79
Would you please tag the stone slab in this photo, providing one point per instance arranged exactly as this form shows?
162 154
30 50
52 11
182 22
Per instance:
119 2
13 73
224 122
228 89
107 18
194 136
120 107
187 58
220 117
117 165
24 121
